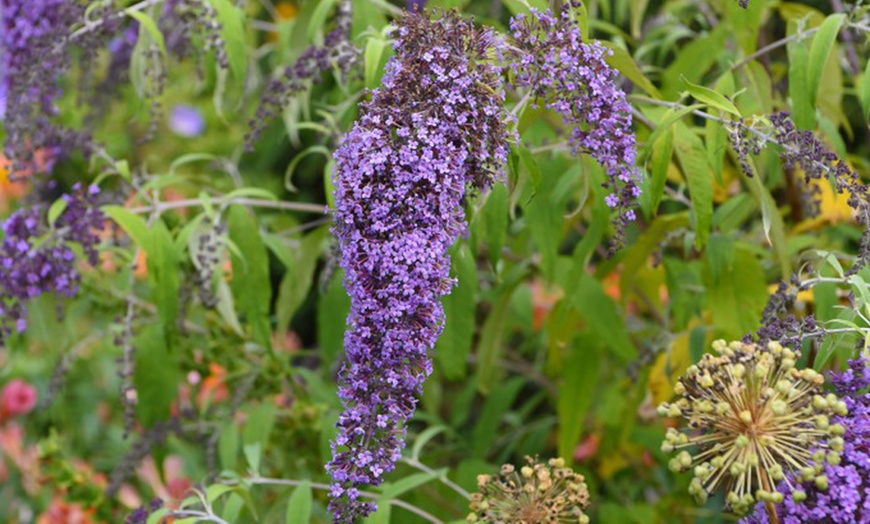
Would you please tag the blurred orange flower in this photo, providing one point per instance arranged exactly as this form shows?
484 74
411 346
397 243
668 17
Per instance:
544 298
25 459
9 190
61 512
285 11
214 388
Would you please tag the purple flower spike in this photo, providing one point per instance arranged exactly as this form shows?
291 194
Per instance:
550 58
434 128
32 57
186 121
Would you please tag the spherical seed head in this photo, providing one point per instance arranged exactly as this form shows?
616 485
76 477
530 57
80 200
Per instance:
753 419
537 492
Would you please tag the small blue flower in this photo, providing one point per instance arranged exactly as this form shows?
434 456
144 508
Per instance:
186 121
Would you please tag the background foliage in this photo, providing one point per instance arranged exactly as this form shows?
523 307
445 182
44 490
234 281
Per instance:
551 347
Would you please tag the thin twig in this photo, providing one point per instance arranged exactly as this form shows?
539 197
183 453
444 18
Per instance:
199 515
775 45
443 478
160 207
707 116
262 25
92 25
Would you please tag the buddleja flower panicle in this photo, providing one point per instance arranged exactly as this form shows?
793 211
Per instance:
537 492
35 259
31 61
548 57
433 129
752 419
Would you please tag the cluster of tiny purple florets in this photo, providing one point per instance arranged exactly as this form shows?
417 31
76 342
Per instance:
802 148
549 57
434 128
847 499
34 56
36 259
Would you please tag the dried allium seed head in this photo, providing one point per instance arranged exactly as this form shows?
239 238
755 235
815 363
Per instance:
752 418
848 498
536 493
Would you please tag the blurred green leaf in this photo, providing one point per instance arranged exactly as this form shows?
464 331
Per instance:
820 51
299 506
454 345
711 98
332 310
602 316
228 447
163 275
495 217
737 297
132 224
498 402
251 287
56 209
232 31
374 56
394 490
489 348
299 277
625 64
148 25
865 91
803 107
156 376
698 174
258 424
577 388
660 161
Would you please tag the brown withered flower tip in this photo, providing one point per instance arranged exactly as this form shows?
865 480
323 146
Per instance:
536 493
753 421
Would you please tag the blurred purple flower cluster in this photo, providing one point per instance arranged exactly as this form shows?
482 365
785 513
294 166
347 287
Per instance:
847 499
36 259
549 57
34 54
434 128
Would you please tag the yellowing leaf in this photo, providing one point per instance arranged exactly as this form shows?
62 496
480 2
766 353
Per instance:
667 368
833 207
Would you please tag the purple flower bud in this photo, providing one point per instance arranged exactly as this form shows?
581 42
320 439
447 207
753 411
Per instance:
186 121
